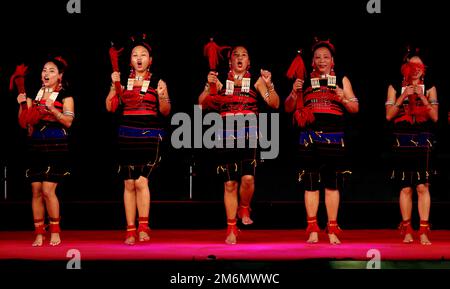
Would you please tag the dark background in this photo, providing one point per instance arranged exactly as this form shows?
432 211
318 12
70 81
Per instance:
369 49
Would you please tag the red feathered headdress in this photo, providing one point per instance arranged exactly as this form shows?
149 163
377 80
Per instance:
323 43
408 68
141 39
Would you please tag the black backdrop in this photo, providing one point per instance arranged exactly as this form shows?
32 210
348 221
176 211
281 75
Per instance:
369 49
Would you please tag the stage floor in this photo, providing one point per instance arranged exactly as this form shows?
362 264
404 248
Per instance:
253 245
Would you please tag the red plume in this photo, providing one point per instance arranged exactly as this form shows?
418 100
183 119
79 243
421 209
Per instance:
213 52
297 68
302 115
114 56
29 117
19 78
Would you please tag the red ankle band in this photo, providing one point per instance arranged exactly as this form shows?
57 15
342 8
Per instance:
131 231
312 225
424 227
39 229
243 211
333 228
54 225
143 220
405 227
231 222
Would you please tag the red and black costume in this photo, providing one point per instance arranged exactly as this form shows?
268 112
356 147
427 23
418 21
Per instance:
140 131
412 139
321 143
48 140
230 101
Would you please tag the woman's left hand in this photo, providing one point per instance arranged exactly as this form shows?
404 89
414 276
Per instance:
162 88
49 104
340 94
266 77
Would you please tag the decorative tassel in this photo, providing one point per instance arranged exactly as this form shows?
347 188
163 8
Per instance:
214 53
114 56
297 69
29 116
18 78
303 115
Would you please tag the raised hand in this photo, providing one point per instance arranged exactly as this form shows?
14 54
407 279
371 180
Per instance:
212 77
162 88
298 85
266 77
22 97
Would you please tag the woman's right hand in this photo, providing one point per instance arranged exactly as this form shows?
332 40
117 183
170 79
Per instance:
21 98
115 76
212 77
409 90
298 85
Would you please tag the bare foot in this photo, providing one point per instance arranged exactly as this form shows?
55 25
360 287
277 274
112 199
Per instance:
424 239
130 240
408 239
38 241
143 236
231 239
55 240
313 238
246 220
334 239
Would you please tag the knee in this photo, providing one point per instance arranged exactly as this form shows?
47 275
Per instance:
422 189
37 194
406 192
230 187
48 193
331 192
129 186
141 184
247 182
